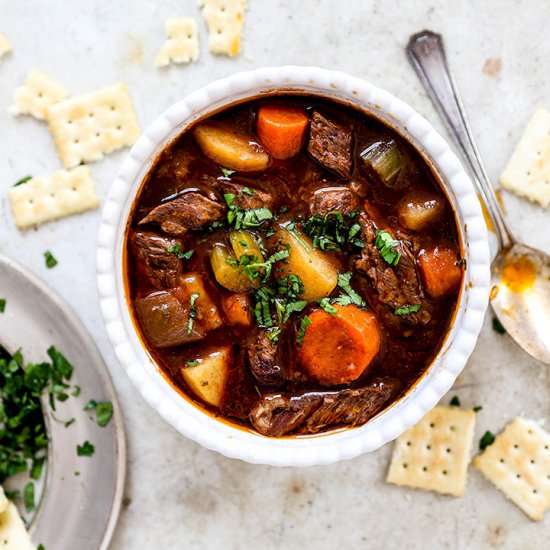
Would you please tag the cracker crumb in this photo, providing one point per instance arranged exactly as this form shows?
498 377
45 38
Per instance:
225 21
182 45
38 94
492 66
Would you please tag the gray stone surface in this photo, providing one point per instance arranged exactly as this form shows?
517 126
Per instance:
180 495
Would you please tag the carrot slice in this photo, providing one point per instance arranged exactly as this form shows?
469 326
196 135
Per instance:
440 269
337 349
237 309
281 130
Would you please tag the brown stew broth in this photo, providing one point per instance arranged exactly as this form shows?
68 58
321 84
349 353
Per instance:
406 351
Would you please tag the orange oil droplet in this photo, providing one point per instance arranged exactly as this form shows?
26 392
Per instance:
519 274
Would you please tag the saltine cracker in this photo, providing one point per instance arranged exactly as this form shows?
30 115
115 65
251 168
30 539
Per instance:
87 127
518 463
434 454
47 198
528 171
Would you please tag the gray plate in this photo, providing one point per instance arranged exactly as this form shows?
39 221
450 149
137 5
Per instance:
75 511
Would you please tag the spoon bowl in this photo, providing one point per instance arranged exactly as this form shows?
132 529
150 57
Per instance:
520 297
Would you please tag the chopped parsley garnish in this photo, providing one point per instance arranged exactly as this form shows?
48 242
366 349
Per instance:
387 245
327 306
37 466
28 496
477 408
23 437
407 310
304 323
50 259
249 264
239 218
22 181
103 411
497 326
273 334
2 305
179 253
192 312
349 295
86 449
333 231
460 262
76 391
280 299
92 403
248 191
191 363
226 172
455 401
487 439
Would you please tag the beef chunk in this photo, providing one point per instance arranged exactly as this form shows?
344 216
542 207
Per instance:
394 286
277 415
331 199
164 320
162 267
263 360
331 144
246 197
191 210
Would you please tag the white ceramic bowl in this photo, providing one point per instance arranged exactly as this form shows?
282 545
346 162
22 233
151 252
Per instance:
189 419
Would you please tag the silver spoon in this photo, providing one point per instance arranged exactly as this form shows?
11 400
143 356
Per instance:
520 274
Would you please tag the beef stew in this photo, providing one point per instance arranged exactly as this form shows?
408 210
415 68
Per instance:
292 265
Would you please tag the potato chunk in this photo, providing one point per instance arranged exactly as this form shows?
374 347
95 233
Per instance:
208 377
227 274
416 212
230 149
318 274
208 316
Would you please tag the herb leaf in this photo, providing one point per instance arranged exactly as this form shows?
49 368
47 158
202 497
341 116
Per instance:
50 259
192 312
455 401
28 496
2 305
226 172
497 326
333 231
407 310
487 439
86 449
179 253
239 218
477 408
349 296
386 245
326 305
304 323
191 363
104 413
22 181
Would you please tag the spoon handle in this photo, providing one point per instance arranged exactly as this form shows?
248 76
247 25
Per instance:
427 56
